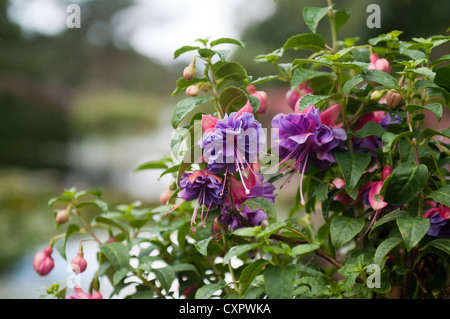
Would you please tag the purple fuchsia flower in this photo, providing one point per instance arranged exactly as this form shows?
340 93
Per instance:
232 143
203 186
439 216
258 188
304 138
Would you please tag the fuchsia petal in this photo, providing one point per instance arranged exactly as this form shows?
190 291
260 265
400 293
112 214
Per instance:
444 212
375 190
208 122
386 172
330 115
247 108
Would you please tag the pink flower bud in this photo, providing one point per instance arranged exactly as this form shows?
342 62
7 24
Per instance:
43 262
80 294
189 72
379 64
261 96
165 196
293 96
394 100
111 240
192 90
63 216
78 263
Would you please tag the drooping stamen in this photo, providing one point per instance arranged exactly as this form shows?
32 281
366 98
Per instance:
375 217
248 166
174 207
194 215
206 216
202 203
242 179
302 200
224 180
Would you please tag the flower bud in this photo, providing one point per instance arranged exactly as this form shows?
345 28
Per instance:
394 100
189 72
205 86
165 196
43 262
111 240
63 216
192 90
78 263
379 64
376 95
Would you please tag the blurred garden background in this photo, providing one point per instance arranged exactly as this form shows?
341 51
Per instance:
85 107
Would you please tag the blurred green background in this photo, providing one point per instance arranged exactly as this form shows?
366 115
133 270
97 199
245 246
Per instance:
84 107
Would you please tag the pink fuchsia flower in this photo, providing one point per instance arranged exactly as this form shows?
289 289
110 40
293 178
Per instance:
43 262
379 64
342 197
63 216
78 263
294 96
374 198
439 216
80 294
303 138
262 97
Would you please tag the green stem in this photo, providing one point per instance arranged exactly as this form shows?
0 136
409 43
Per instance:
331 17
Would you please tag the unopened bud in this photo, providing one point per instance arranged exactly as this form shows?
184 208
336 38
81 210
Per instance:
111 240
78 263
379 64
165 196
394 100
189 72
205 86
192 90
43 262
376 95
63 216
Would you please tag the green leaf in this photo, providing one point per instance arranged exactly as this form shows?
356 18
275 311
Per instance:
232 99
436 108
261 203
182 84
426 72
369 129
351 83
61 244
202 245
382 78
55 200
442 195
273 228
322 191
206 292
165 276
389 139
279 282
88 192
303 249
96 202
309 100
413 229
117 254
309 41
440 243
389 217
442 77
405 183
301 75
232 71
185 106
313 15
340 18
239 250
353 166
119 275
247 231
428 132
185 267
184 49
227 41
249 273
343 229
152 165
385 247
